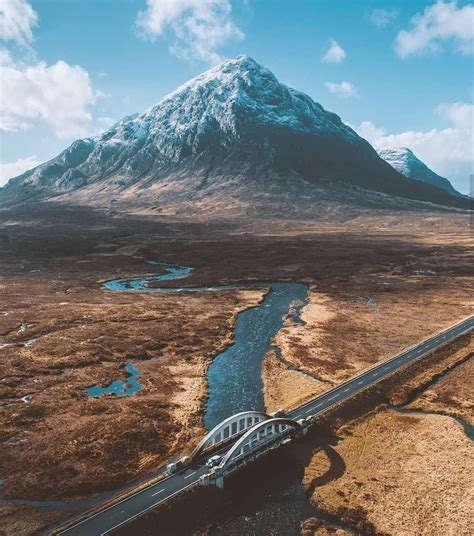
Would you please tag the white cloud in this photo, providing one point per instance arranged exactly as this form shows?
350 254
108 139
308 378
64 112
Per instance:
342 89
32 92
17 18
460 114
382 17
370 132
334 54
442 149
59 95
200 26
439 23
13 169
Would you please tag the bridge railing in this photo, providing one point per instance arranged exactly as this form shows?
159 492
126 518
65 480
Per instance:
228 430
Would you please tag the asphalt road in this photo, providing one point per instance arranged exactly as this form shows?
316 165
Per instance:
107 520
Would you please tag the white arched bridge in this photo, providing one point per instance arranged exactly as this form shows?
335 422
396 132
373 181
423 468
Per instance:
240 439
227 430
252 434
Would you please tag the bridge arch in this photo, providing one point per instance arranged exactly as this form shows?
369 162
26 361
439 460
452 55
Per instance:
228 428
263 432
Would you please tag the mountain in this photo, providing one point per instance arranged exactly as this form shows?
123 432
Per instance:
233 132
405 162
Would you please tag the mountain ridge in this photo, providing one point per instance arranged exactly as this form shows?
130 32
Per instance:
408 164
233 126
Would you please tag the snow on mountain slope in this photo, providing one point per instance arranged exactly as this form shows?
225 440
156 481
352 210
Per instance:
405 162
234 126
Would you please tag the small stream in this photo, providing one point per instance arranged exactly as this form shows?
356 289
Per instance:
468 429
404 408
234 376
278 504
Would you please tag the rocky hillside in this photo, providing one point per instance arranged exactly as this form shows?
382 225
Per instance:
234 130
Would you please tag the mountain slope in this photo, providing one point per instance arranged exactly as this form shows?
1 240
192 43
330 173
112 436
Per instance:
234 128
405 162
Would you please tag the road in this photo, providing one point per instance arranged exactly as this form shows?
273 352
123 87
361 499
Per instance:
108 519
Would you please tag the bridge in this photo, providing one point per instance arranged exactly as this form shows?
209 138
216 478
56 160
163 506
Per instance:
266 435
243 437
227 430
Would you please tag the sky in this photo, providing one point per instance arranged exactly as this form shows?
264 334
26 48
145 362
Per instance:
400 72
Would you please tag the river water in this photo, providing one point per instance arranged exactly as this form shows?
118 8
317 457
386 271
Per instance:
279 503
234 376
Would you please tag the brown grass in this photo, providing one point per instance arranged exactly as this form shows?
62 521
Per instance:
61 444
409 474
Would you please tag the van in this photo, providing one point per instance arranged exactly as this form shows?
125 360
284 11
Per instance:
171 468
211 462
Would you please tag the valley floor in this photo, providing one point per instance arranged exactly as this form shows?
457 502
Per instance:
377 284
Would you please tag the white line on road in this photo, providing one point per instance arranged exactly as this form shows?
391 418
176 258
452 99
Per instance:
347 390
407 357
158 492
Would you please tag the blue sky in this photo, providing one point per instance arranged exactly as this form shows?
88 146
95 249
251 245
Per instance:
399 72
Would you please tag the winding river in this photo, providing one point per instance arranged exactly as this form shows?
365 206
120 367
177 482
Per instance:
234 376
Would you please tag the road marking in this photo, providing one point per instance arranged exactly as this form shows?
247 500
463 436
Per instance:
309 411
346 390
374 374
361 382
158 492
406 358
335 396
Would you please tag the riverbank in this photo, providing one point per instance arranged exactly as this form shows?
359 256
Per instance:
60 327
84 338
403 471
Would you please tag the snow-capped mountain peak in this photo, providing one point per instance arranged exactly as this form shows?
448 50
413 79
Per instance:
234 126
405 162
229 99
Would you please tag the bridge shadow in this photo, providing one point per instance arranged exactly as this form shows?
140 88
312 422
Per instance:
336 469
320 439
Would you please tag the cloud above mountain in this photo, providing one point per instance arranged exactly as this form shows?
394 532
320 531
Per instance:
58 95
17 19
341 89
381 18
437 26
34 92
200 27
334 54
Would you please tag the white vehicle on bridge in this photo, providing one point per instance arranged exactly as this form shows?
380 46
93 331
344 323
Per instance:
175 466
214 460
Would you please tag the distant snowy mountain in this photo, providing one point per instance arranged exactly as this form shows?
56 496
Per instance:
405 162
233 130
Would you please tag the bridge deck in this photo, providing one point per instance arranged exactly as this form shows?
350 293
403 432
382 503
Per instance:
104 521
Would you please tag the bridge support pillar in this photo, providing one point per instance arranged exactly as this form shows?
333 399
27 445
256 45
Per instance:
220 482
